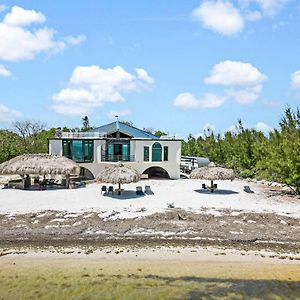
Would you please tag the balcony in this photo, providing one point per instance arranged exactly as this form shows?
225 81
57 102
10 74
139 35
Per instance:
116 158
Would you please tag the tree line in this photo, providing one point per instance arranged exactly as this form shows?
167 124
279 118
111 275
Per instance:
250 152
274 157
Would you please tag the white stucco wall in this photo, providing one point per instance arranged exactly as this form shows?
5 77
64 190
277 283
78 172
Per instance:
172 166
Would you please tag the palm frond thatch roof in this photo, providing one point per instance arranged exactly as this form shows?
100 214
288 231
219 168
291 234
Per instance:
119 174
213 173
40 164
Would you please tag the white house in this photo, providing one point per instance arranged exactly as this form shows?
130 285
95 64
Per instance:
118 141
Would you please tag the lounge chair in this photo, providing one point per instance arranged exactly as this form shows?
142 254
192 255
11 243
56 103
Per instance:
110 189
204 186
248 190
103 189
215 186
148 190
139 190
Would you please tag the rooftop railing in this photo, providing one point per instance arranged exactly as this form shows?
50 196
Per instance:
80 135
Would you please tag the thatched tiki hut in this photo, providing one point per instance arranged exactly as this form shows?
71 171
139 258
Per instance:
212 172
119 174
41 165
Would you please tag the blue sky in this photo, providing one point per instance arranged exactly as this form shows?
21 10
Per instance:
171 65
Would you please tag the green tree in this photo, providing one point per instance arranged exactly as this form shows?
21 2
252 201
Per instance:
10 145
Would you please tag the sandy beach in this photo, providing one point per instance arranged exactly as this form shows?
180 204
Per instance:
179 213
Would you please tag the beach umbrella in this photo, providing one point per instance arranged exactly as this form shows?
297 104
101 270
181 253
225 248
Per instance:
40 164
212 172
118 174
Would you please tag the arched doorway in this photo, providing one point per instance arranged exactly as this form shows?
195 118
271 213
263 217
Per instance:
157 172
156 152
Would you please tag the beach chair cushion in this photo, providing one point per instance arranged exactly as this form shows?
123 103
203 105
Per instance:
111 189
139 190
148 190
247 189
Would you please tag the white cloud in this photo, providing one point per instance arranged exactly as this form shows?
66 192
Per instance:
143 75
263 127
243 84
220 16
229 17
244 79
188 100
22 17
8 115
122 113
91 86
75 40
246 95
4 72
259 126
21 42
295 80
271 7
234 73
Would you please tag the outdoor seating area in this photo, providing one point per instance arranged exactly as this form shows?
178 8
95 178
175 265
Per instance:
41 184
211 188
139 190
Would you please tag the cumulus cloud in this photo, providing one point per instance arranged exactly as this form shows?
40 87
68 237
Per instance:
22 17
19 41
295 80
91 86
143 75
245 81
121 113
246 95
4 72
235 73
188 100
242 82
8 115
228 18
220 16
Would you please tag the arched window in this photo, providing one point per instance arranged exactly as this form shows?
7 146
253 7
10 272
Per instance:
156 152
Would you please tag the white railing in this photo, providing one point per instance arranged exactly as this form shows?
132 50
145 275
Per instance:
81 135
168 137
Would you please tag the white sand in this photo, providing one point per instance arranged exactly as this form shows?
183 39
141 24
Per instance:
182 254
182 193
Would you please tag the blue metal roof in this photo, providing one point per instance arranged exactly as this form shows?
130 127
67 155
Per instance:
126 129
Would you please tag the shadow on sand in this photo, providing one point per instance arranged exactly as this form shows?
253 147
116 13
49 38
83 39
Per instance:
216 192
125 195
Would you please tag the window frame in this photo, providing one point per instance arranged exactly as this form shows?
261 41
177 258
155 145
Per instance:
67 150
146 158
166 153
